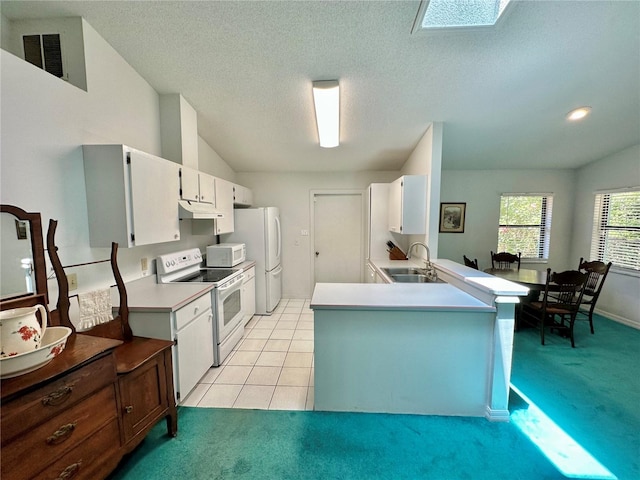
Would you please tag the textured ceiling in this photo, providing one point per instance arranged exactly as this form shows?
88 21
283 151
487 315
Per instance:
502 93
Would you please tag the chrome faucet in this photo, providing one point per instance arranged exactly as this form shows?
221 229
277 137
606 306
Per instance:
430 271
425 247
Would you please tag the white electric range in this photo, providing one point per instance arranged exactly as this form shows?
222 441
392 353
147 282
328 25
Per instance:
226 297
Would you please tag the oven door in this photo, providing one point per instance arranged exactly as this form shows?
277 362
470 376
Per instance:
229 312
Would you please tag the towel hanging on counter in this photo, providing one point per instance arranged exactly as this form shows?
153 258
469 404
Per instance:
95 308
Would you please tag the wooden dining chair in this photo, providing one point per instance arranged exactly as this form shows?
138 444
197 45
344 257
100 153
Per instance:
559 305
505 260
470 263
597 272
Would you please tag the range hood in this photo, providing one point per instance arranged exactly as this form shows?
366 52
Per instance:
198 211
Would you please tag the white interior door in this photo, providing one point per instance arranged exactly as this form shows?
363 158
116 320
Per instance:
338 238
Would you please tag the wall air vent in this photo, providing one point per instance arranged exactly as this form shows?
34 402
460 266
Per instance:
44 51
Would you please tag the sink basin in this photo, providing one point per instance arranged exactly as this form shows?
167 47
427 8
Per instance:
403 271
413 278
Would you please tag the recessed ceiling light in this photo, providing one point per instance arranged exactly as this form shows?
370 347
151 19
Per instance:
578 113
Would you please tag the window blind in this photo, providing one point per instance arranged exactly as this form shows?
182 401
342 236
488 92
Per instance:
616 229
525 224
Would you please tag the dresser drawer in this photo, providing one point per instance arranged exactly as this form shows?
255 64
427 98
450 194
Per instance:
33 408
94 459
28 454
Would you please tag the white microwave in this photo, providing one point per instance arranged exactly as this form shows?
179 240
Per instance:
225 254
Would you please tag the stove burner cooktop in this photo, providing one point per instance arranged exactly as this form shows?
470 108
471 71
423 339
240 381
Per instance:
208 275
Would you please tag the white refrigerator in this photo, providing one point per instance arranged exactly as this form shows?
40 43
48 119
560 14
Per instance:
259 229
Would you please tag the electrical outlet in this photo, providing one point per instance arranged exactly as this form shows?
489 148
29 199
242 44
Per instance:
72 280
144 264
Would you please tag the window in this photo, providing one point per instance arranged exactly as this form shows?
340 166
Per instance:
525 224
616 229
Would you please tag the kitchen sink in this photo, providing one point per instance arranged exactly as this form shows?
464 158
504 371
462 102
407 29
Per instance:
403 271
414 278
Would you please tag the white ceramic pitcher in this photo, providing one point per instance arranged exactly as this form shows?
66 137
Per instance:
20 330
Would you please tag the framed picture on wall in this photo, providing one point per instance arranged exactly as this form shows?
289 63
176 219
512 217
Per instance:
452 217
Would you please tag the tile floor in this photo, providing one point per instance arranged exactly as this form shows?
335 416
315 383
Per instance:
271 368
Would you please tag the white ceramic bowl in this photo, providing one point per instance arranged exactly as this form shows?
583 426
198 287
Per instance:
53 343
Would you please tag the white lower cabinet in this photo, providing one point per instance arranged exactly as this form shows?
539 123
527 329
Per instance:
249 294
191 330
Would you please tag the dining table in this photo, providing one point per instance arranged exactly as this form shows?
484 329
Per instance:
533 279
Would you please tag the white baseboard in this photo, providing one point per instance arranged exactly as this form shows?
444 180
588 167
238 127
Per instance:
618 318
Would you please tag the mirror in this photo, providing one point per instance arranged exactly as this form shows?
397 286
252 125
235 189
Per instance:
22 254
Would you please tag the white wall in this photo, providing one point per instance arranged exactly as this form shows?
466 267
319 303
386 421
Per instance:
290 192
426 159
212 163
620 297
481 190
45 121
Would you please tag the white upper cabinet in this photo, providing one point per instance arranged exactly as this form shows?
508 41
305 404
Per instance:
408 205
132 196
242 196
207 184
189 184
196 186
224 204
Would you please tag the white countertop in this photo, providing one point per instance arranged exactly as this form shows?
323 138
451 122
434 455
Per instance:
145 294
395 296
417 296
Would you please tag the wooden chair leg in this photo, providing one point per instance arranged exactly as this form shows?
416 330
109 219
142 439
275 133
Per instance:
571 322
591 318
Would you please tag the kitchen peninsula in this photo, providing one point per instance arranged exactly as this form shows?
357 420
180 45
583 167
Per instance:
430 348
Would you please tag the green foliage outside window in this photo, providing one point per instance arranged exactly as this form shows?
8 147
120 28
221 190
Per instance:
523 225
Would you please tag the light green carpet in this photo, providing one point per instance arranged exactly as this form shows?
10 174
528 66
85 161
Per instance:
592 392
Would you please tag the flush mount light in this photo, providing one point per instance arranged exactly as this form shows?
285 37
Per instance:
326 98
578 113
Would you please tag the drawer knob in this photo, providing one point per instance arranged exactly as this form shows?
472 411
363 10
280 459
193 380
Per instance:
70 471
61 434
128 408
59 396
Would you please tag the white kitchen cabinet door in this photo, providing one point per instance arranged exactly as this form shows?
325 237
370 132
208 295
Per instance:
242 196
408 205
207 185
154 192
189 187
194 352
132 196
224 204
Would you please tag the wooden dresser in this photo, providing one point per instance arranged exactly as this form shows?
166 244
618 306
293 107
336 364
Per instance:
62 421
77 416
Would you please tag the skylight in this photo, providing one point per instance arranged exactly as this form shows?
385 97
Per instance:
435 14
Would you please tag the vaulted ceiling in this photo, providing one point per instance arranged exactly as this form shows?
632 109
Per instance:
502 93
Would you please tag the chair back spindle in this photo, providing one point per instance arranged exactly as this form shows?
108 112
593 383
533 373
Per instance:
505 260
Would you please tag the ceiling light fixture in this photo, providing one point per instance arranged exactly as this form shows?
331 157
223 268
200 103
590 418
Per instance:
578 113
326 98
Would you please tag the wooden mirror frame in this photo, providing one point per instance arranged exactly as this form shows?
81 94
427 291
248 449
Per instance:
37 250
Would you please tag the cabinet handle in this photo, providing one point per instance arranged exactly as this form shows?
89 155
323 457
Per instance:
59 396
70 471
128 408
61 434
